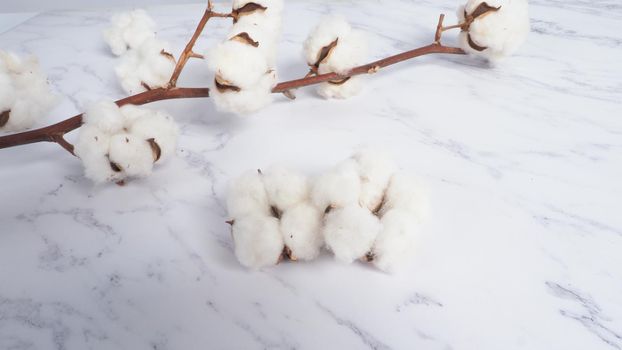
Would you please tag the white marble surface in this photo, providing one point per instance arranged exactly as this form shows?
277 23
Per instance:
523 160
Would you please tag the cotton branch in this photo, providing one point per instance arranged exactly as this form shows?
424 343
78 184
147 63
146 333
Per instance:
56 132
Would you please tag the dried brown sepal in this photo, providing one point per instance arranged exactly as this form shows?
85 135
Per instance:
167 55
325 53
287 253
4 117
340 81
225 86
147 87
115 167
276 212
259 172
244 38
480 11
245 10
120 183
369 257
155 149
290 94
379 206
230 222
328 209
473 45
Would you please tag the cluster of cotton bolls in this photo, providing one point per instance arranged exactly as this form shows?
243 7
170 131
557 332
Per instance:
24 92
244 64
362 209
120 142
145 61
334 47
493 29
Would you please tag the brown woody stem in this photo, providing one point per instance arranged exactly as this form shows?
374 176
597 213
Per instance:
56 132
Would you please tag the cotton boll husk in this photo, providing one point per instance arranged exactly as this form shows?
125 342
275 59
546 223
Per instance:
161 127
247 100
351 51
275 6
350 232
258 241
502 32
285 187
329 29
239 64
247 196
301 228
270 19
92 148
406 193
106 116
147 65
337 188
129 30
132 154
395 242
267 40
375 169
350 88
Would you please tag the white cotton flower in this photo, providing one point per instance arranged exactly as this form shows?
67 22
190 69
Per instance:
375 169
285 187
394 244
326 32
350 232
25 95
337 188
147 67
257 240
407 194
116 143
334 47
236 64
499 27
301 229
247 196
129 30
246 100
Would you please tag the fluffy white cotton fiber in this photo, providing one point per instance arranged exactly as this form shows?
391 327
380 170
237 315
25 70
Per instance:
149 66
258 241
350 232
247 196
300 226
375 169
338 187
285 187
498 32
333 46
244 64
117 143
25 96
395 242
129 30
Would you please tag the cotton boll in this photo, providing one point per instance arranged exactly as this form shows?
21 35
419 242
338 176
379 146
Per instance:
247 100
495 34
26 93
247 196
350 232
408 194
276 6
347 89
238 64
327 31
301 228
285 187
132 154
161 128
106 116
351 51
147 67
375 169
129 30
337 188
395 242
92 149
257 240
